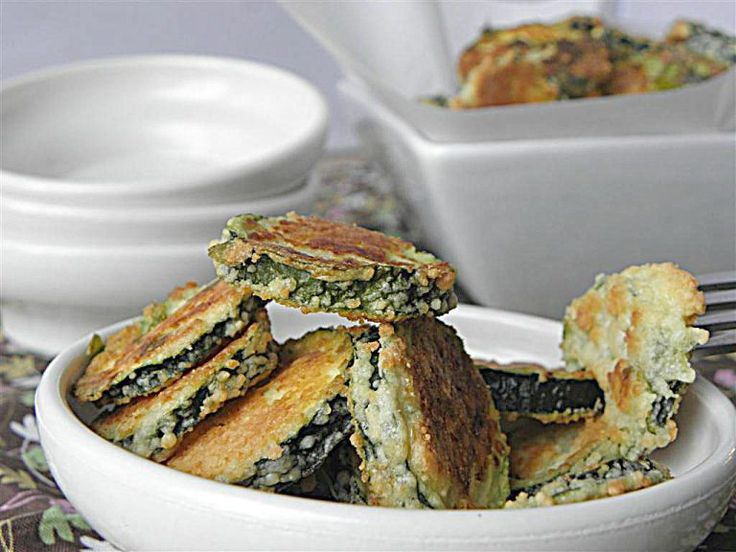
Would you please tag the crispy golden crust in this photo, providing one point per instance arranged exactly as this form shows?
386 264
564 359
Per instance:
227 445
632 331
540 452
528 368
174 334
534 63
145 413
438 411
328 250
460 432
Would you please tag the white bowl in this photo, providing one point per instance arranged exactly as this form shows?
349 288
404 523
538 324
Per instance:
138 504
29 221
52 295
172 129
529 223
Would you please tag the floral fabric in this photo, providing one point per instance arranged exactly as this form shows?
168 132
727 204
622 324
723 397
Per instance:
35 516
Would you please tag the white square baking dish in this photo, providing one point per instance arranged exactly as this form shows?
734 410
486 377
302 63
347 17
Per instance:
528 223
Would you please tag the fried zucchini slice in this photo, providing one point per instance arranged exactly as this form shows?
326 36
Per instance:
633 332
103 355
703 40
195 331
426 429
153 426
534 63
281 432
609 479
550 396
322 266
338 479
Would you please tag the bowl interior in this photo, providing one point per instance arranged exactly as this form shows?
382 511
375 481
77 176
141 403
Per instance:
505 337
186 512
152 118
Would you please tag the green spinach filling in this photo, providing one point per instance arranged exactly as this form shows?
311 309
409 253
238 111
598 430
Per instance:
663 408
189 412
390 289
152 377
527 394
305 452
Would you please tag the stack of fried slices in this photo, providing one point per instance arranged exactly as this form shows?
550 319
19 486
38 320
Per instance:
392 411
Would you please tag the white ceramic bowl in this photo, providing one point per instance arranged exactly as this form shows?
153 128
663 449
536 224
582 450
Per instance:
529 223
172 129
29 221
138 504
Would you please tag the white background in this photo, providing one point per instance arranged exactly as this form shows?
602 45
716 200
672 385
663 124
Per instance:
39 34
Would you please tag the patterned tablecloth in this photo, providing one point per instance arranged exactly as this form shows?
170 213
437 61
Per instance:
34 515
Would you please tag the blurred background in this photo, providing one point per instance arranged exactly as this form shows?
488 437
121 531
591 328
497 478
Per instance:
37 34
126 169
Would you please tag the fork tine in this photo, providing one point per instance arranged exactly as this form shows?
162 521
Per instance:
720 343
718 320
719 300
717 280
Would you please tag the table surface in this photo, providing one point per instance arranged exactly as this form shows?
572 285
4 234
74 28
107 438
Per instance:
34 515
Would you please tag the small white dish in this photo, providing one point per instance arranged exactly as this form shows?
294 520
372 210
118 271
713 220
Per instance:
32 222
137 504
173 129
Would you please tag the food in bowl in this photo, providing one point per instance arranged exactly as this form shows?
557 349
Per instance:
608 479
581 57
550 396
283 431
633 333
397 414
323 266
426 430
194 331
154 425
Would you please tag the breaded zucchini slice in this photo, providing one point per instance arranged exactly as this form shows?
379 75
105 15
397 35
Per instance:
195 331
322 266
609 479
426 429
153 426
103 355
282 431
703 40
550 396
534 63
633 331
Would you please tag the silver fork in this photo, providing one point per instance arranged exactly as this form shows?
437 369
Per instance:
719 319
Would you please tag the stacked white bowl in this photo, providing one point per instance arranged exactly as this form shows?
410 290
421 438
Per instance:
116 173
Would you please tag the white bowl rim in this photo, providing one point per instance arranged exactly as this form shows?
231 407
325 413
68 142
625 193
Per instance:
27 183
54 412
165 213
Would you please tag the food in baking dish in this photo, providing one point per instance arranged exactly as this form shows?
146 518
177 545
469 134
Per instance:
550 396
708 42
281 432
322 266
581 57
154 425
426 430
190 335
